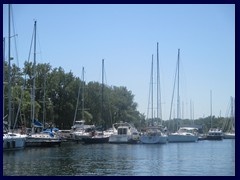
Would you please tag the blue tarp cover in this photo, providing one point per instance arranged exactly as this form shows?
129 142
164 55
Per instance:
37 123
49 131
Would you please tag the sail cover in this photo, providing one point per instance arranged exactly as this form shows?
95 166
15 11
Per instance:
37 123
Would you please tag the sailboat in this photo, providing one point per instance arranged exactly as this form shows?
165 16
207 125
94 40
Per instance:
11 140
230 133
154 134
183 134
214 133
98 136
79 129
38 137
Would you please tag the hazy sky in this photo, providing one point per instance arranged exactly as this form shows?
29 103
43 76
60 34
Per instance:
126 36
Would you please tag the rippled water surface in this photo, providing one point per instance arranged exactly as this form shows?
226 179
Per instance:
204 158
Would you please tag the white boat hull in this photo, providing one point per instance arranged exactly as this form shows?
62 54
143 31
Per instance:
78 136
229 136
42 140
122 139
13 141
154 139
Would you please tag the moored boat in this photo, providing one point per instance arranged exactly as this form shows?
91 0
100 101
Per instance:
39 137
124 132
153 135
12 141
184 134
97 137
215 134
229 135
42 139
81 130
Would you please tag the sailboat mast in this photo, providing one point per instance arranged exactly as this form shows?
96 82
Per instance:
157 82
152 88
102 90
34 74
9 70
193 112
159 108
178 98
211 106
83 93
232 116
231 107
3 71
44 95
76 109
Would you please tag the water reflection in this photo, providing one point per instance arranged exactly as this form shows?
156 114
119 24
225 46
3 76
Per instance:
173 159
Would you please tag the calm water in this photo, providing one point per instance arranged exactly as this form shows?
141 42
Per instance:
204 158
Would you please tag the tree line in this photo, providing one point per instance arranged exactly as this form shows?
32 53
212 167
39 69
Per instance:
56 101
56 98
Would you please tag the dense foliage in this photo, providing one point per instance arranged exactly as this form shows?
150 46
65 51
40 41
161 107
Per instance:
61 93
102 107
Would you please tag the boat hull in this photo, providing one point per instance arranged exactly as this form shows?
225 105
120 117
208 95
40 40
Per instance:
122 139
229 136
95 140
215 134
182 138
215 137
13 142
37 141
148 139
79 136
201 138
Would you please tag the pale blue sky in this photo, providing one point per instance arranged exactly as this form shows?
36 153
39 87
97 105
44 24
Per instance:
126 36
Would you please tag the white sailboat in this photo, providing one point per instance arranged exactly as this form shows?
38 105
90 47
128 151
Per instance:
11 140
183 134
38 137
79 129
154 134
